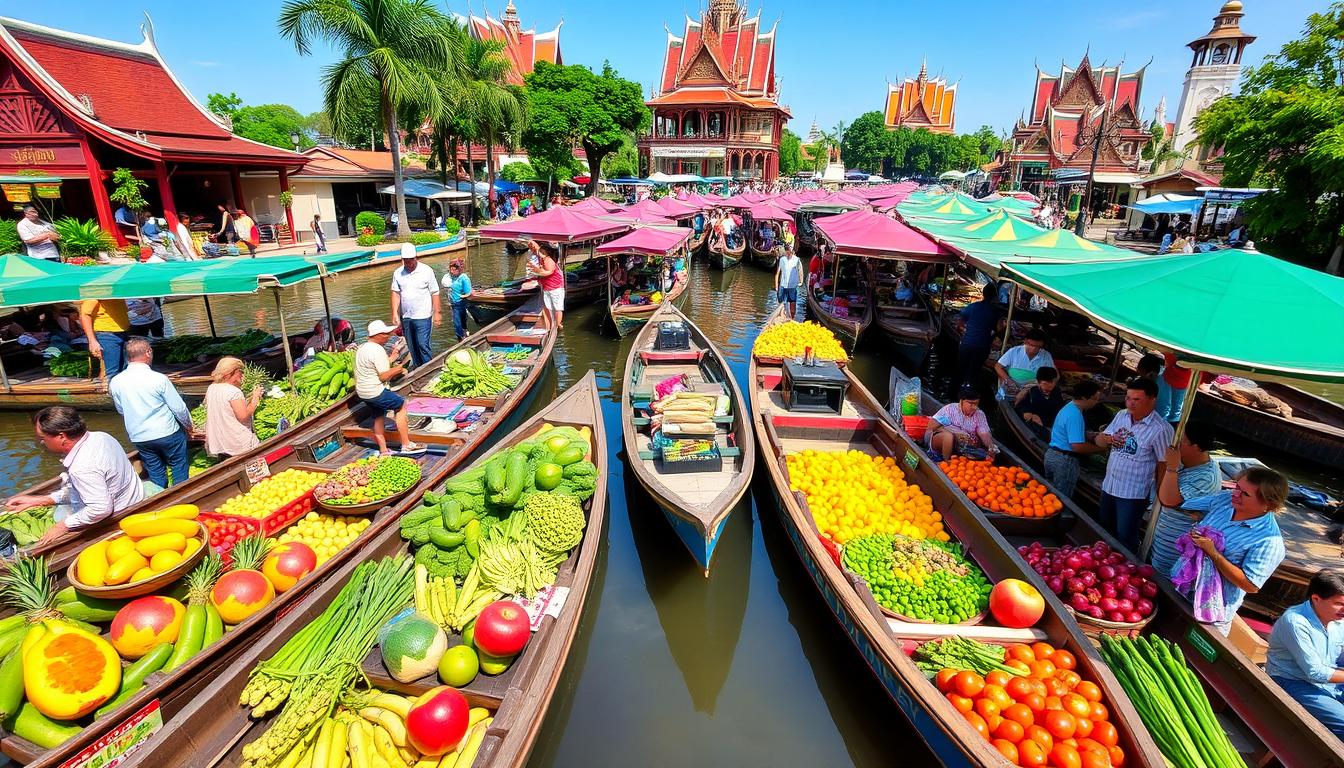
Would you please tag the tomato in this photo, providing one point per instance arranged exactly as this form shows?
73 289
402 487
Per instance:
1006 748
1021 652
1035 702
1060 724
1020 714
1012 731
968 684
1041 650
1117 756
997 695
1104 733
1042 670
1041 736
1030 754
997 677
1088 690
1068 677
978 723
944 679
1020 688
1052 702
1099 712
1019 665
502 629
1092 745
987 708
1065 756
1055 686
1076 705
1039 687
1094 760
1063 659
1084 727
961 703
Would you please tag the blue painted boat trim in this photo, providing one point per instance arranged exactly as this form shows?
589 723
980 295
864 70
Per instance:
699 542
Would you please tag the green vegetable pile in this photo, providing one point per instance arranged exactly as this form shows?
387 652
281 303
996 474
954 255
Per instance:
961 653
516 352
201 461
467 373
457 527
1170 701
329 376
255 376
29 525
74 363
919 578
181 349
292 407
240 344
369 479
198 416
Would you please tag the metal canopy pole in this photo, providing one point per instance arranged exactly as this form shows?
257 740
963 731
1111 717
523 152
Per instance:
210 318
1188 405
326 307
284 342
4 377
942 296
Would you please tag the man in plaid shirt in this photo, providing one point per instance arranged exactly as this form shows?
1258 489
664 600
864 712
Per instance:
1138 439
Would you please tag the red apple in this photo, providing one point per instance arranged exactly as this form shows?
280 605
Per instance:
1016 603
286 563
502 629
437 720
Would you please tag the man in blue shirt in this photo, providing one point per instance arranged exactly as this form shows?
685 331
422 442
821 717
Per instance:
1305 647
157 421
1069 439
979 321
459 288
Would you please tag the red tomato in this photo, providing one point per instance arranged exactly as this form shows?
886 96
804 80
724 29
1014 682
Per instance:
997 695
1012 731
1055 686
1035 702
1063 659
997 677
1020 714
1094 760
1042 670
968 684
1021 652
1104 733
1092 745
1117 757
1084 727
1065 756
1041 736
1019 688
978 723
1006 748
1030 754
1088 690
1076 705
960 703
1060 724
944 679
1099 712
1068 677
987 709
1041 651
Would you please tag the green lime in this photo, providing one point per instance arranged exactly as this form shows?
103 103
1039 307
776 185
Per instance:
459 666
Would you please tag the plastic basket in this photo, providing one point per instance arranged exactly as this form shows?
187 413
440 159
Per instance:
915 426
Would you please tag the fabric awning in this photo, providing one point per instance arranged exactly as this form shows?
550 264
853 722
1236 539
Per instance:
596 205
648 241
172 278
865 233
1116 178
1225 310
767 212
1052 245
1169 202
676 208
561 224
427 190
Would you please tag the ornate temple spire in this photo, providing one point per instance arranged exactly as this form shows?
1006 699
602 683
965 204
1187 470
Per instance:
510 17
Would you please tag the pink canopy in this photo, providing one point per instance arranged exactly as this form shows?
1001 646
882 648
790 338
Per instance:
678 209
647 208
649 242
767 212
845 198
887 203
743 200
596 206
864 233
561 224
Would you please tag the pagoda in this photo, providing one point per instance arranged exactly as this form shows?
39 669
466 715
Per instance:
1068 110
716 111
920 102
523 47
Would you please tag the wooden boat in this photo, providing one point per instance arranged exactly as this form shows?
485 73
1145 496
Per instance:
1091 471
696 244
1314 433
327 445
515 247
695 503
582 286
880 639
767 258
848 329
344 421
910 329
723 256
629 317
1263 720
212 730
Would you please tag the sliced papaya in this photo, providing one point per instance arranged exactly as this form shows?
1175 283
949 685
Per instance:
70 672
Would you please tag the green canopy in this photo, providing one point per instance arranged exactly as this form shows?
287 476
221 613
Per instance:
955 206
1228 310
26 281
1012 205
995 226
1051 245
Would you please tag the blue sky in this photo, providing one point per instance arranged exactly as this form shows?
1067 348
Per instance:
834 57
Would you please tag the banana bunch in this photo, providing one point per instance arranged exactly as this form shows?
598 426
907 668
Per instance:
369 731
329 376
439 598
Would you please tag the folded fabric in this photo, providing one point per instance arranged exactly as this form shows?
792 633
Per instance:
1196 577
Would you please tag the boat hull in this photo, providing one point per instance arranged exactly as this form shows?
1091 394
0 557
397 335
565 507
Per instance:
1292 437
767 259
700 541
725 258
848 330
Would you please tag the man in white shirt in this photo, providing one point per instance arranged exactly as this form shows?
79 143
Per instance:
373 369
1019 364
157 421
98 480
787 276
39 236
415 300
1137 438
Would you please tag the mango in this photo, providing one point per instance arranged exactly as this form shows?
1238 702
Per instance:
69 672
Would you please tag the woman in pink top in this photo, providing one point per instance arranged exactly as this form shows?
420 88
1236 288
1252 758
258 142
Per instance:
228 413
961 427
552 278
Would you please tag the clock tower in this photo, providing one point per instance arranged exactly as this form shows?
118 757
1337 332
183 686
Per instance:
1214 70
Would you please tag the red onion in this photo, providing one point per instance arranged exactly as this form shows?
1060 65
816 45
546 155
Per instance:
1108 589
1056 584
1095 612
1067 573
1148 589
1074 561
1145 570
1124 604
1118 617
1144 607
1080 603
1109 604
1130 592
1133 617
1115 558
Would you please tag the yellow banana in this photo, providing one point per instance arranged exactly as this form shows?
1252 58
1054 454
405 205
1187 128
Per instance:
389 721
322 748
392 703
476 715
382 741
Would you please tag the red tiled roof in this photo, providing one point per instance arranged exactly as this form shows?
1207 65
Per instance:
921 102
742 51
522 47
115 78
712 95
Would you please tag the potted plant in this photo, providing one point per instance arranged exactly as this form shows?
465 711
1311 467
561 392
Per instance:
128 190
82 239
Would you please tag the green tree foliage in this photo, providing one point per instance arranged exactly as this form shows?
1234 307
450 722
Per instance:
571 106
624 162
790 153
224 106
127 190
868 144
1285 131
400 50
517 171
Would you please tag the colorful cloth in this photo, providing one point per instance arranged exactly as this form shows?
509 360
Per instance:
1196 577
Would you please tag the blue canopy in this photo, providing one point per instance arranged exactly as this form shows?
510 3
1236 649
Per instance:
426 189
628 180
1169 203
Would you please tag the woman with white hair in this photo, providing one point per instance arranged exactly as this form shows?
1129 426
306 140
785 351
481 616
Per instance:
228 412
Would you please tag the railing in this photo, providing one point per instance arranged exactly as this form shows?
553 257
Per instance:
763 139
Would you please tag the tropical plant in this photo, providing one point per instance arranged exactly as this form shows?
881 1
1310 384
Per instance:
373 222
496 111
368 241
9 237
624 162
287 199
82 238
397 49
128 190
790 153
516 172
452 225
425 238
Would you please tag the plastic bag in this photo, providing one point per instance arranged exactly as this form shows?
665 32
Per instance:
909 393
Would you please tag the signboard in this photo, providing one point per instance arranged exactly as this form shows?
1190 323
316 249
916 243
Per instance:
1198 642
911 460
257 470
116 746
1230 196
687 151
30 156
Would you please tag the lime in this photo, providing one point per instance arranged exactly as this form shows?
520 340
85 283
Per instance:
459 666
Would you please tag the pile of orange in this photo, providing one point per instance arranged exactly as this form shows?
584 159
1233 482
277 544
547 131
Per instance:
1047 716
1003 489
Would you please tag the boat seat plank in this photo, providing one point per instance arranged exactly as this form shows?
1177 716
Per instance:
643 421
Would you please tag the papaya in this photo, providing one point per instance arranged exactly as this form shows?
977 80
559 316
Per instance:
164 541
119 547
144 529
70 672
175 512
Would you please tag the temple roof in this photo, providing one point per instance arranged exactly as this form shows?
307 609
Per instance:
523 47
713 95
723 48
1093 86
353 163
920 102
102 86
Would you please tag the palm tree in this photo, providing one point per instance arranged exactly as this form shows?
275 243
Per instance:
498 111
398 49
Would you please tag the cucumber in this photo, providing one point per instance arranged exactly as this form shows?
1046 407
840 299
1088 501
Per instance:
189 638
214 626
133 677
11 684
494 474
89 609
446 539
42 730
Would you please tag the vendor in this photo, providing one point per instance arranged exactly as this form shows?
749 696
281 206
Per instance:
228 412
1191 474
1039 403
1252 544
1305 648
961 428
1019 364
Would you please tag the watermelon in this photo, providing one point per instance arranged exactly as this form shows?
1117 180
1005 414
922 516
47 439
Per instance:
412 645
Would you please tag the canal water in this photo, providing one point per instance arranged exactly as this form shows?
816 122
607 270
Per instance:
744 668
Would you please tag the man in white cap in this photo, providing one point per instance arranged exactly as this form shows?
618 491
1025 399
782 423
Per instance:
373 369
415 300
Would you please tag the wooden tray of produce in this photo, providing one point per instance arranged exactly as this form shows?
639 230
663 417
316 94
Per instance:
145 586
976 619
367 508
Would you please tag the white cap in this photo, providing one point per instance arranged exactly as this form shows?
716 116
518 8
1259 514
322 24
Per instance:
378 326
408 251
